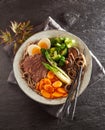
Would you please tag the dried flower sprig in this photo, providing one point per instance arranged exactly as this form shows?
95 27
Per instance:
5 37
17 35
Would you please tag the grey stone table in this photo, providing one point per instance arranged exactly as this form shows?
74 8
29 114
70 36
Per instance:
84 18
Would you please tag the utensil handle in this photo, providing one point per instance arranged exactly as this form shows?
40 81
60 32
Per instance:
77 92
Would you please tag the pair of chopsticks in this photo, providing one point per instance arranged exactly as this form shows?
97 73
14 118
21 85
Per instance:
65 109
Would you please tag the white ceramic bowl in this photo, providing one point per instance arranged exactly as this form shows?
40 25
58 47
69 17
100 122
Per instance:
49 34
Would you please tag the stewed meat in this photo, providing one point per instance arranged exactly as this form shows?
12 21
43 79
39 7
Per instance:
34 67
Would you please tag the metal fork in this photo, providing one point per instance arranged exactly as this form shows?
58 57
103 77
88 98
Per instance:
65 109
77 92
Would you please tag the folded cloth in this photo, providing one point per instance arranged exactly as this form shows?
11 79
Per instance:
98 71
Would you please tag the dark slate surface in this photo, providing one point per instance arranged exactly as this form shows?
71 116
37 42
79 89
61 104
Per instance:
84 18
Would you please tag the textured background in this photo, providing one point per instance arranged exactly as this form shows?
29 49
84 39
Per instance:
84 18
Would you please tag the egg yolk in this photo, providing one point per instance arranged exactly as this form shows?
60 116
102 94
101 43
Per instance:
43 45
36 51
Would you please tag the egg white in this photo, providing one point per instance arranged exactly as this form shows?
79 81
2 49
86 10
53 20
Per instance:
46 41
30 48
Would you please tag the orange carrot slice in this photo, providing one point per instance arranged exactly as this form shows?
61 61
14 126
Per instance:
40 87
50 75
57 95
48 88
54 79
65 95
45 94
57 84
61 90
41 83
46 81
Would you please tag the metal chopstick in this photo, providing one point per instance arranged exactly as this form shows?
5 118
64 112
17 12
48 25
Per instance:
66 106
77 92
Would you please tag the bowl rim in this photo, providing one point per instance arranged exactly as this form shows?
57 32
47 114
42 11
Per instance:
22 83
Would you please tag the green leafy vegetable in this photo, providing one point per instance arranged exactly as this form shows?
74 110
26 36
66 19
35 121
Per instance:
61 61
70 42
43 51
64 52
50 60
56 56
54 65
59 48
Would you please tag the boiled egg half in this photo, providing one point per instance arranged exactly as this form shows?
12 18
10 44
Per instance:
33 49
44 43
